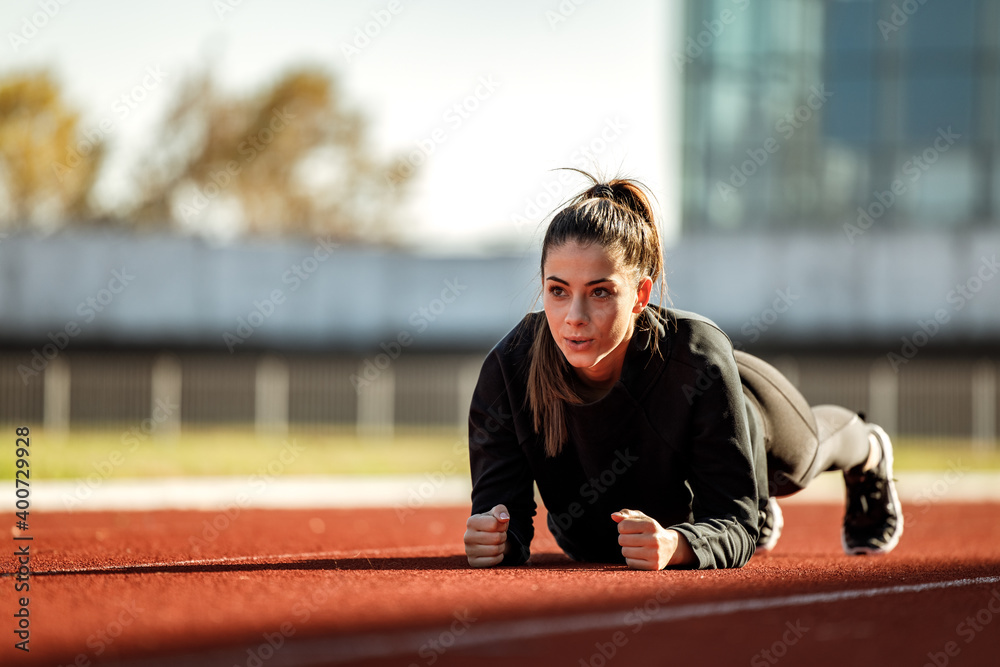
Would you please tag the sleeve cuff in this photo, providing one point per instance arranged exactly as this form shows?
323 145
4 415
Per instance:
704 558
519 553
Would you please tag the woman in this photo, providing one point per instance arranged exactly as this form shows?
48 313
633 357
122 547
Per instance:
651 441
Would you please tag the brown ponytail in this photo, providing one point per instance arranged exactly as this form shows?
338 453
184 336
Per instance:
617 215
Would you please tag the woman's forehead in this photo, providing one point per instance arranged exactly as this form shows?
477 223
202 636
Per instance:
583 258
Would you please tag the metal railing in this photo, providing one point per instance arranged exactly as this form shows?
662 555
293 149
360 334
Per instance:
935 399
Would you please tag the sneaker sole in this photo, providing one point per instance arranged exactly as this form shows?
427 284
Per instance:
779 524
886 445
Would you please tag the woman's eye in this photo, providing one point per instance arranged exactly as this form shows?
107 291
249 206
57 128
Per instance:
601 292
555 290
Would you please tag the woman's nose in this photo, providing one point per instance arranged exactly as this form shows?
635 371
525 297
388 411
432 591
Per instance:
577 313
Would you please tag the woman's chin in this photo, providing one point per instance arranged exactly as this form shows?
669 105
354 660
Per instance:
580 360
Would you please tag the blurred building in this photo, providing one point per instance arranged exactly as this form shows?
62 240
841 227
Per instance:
806 115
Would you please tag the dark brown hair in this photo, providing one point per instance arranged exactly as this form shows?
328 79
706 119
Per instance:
618 216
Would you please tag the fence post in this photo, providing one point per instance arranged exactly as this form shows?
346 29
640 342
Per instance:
56 396
271 396
165 398
377 406
984 405
883 396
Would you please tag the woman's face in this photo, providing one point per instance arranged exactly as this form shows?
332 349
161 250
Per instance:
590 303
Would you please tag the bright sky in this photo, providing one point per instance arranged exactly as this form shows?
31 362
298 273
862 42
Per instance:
559 82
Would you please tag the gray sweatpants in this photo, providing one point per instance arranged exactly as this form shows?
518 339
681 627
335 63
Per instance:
800 441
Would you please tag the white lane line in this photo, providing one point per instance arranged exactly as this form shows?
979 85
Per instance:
209 494
448 549
347 649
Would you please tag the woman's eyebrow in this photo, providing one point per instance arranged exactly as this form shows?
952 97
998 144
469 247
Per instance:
592 282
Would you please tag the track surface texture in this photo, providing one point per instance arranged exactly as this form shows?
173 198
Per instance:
374 587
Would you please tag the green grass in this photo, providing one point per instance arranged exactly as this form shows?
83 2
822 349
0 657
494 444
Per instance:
239 451
937 454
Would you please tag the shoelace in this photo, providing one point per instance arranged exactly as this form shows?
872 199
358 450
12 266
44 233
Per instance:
865 489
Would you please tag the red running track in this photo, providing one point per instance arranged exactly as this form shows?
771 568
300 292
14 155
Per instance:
332 587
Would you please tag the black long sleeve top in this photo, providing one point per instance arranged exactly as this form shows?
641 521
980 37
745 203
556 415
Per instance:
673 438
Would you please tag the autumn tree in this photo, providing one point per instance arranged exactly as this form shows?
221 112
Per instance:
291 159
48 164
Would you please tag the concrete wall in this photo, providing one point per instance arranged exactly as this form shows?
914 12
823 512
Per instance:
99 288
875 290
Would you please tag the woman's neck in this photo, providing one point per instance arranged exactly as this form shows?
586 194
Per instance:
594 383
590 393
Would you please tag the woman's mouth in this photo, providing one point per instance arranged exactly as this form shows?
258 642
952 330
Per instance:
578 344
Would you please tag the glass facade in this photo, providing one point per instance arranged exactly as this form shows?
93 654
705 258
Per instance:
811 114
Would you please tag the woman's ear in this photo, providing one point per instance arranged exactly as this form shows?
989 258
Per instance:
643 294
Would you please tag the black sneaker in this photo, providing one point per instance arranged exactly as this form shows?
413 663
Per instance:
873 522
771 523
